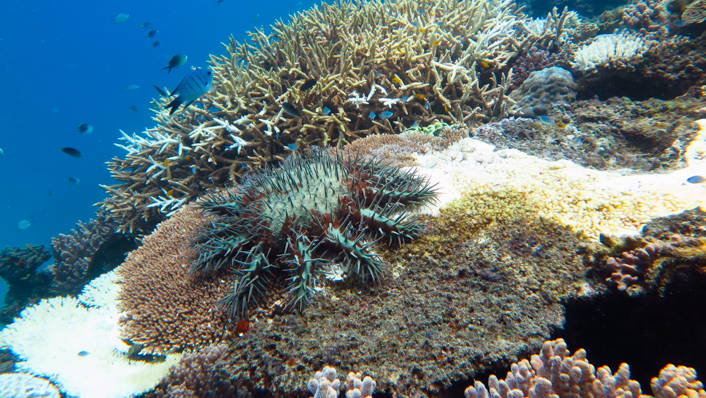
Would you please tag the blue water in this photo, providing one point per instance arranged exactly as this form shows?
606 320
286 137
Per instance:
65 63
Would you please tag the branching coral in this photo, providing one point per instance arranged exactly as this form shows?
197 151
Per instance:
317 211
555 373
18 267
88 251
654 264
421 62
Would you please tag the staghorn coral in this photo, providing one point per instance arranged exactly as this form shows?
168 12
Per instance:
441 65
555 374
88 251
319 212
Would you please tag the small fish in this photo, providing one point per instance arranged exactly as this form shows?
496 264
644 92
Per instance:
152 33
170 193
73 181
255 16
292 147
85 128
372 115
176 61
162 92
308 84
420 97
397 80
133 108
326 111
166 162
120 18
290 110
24 224
197 83
696 180
132 87
83 353
2 153
546 120
50 194
146 25
385 115
156 44
435 43
485 64
73 152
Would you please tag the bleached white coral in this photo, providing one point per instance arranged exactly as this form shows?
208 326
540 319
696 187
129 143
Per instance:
22 385
610 50
75 343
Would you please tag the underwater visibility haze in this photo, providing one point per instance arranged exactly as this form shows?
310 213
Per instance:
218 198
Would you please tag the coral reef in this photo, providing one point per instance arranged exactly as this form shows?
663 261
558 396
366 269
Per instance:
88 251
22 385
26 286
542 90
398 150
324 384
438 61
534 59
482 285
616 134
199 374
668 249
165 308
555 373
75 343
317 213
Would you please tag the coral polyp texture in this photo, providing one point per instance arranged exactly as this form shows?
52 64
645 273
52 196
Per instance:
404 61
555 373
319 213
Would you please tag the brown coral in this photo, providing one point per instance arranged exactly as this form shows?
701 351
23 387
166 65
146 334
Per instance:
166 309
370 56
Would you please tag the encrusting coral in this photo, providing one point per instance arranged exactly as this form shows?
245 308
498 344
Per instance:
318 212
443 60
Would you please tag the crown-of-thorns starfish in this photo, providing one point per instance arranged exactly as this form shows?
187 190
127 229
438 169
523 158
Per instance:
314 210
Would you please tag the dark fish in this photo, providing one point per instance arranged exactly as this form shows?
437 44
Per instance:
156 44
73 152
696 180
176 61
161 92
85 128
73 181
291 110
197 83
308 84
133 108
152 33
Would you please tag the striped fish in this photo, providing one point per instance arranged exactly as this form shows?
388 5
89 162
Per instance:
197 83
